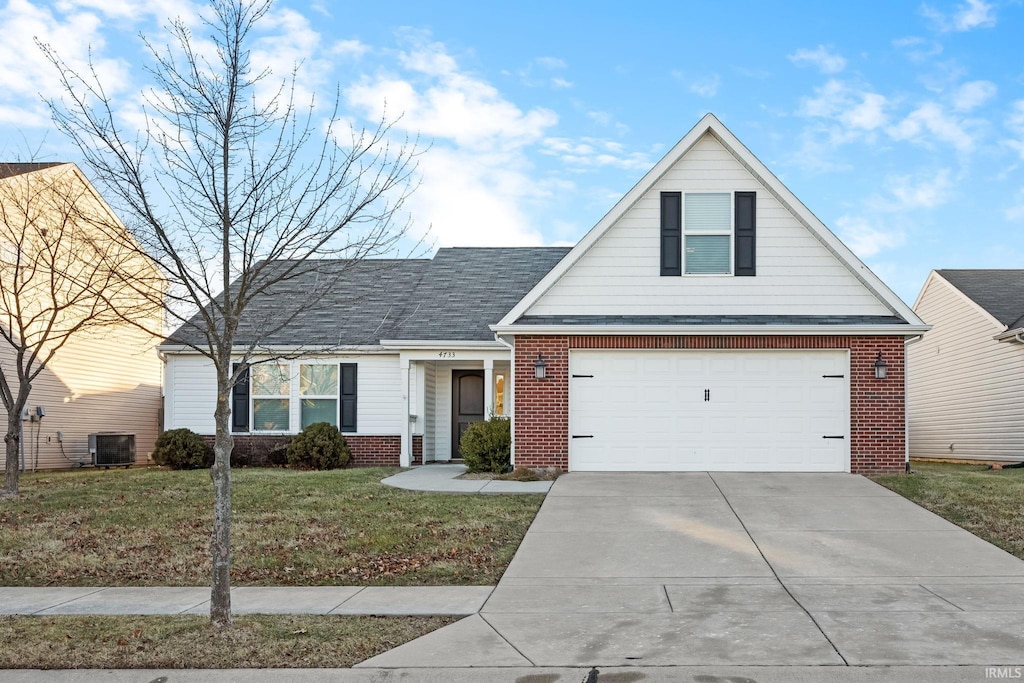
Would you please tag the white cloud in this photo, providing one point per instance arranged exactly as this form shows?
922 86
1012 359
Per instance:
827 61
854 108
24 79
1014 213
966 17
931 120
918 49
867 239
1015 123
973 94
927 193
588 153
349 48
539 72
476 181
706 86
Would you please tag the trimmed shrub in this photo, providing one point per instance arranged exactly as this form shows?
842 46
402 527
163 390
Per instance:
320 446
182 449
487 446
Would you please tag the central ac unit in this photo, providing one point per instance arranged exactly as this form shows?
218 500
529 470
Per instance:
112 449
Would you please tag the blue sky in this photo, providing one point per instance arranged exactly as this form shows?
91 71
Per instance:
900 124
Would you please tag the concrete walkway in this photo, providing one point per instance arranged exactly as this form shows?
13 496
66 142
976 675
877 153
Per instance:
383 600
724 570
441 478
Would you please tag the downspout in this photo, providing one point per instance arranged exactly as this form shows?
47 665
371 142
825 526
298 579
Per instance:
512 396
906 401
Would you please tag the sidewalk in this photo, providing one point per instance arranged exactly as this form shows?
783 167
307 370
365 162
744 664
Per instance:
442 479
374 600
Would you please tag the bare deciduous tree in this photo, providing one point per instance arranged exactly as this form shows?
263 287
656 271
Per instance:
233 191
67 266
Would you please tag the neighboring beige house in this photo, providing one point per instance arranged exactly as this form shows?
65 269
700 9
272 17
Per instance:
104 379
967 374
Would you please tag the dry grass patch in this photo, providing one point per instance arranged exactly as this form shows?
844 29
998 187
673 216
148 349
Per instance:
988 503
189 642
152 528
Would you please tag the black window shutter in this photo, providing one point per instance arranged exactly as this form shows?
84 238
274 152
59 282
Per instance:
746 233
240 401
671 233
349 387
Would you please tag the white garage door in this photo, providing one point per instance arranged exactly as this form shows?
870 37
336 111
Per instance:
746 411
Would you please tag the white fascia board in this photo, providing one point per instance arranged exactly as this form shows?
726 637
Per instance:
181 349
775 186
717 330
399 344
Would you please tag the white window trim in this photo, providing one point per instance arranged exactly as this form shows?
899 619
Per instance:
731 233
253 397
337 390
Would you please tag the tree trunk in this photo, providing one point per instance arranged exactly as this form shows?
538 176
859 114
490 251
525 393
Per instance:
12 441
220 543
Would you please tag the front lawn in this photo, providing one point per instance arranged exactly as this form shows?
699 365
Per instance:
189 642
150 527
988 503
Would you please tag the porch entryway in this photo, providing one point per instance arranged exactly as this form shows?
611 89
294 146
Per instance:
446 391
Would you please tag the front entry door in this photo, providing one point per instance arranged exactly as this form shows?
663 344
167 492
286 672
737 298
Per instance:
467 403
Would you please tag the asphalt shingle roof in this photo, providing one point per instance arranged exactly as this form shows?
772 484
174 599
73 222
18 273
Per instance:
11 169
1000 292
454 296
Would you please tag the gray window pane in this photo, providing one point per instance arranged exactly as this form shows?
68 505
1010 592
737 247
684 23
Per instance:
270 414
270 380
319 410
318 380
706 212
707 254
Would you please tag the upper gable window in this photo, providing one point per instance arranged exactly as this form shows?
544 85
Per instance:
707 233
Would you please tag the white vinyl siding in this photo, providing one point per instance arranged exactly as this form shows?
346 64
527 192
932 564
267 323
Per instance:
429 408
796 274
965 395
192 393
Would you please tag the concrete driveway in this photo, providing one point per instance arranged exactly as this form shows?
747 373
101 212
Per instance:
698 569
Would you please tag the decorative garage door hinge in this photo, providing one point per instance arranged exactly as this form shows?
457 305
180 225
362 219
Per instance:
833 376
582 375
583 436
834 437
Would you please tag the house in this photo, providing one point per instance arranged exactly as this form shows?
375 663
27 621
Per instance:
104 378
708 322
965 389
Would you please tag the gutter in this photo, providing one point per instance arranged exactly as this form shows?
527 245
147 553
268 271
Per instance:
717 330
1016 336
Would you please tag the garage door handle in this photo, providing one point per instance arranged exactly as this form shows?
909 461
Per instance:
833 437
583 436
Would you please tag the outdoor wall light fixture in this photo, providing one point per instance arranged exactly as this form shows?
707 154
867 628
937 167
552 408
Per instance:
540 368
881 368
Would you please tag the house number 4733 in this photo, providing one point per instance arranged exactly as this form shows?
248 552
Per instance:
446 354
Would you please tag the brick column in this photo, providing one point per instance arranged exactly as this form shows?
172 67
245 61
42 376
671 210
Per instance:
877 406
541 411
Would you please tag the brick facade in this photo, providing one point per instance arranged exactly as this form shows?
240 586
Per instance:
367 451
877 413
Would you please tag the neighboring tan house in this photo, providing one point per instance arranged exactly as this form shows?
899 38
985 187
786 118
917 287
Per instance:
967 373
708 322
104 379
